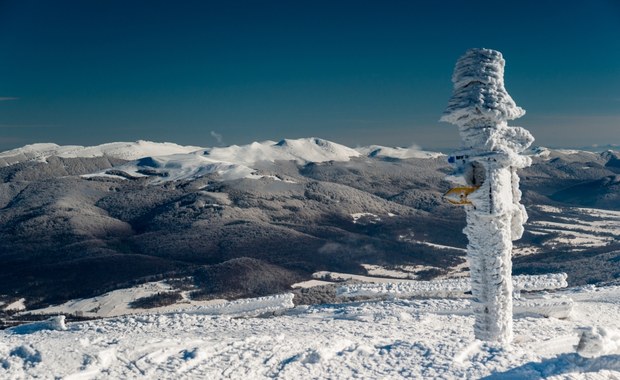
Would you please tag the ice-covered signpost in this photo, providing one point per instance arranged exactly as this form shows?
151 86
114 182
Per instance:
489 186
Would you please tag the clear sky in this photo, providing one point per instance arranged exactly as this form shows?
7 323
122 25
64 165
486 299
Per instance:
355 72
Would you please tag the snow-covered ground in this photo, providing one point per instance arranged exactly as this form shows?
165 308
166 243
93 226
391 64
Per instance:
117 302
337 276
425 338
16 305
378 274
397 271
447 287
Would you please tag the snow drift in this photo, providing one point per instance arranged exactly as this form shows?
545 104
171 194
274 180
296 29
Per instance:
598 341
449 287
53 323
247 307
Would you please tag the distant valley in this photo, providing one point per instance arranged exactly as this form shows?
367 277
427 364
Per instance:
252 220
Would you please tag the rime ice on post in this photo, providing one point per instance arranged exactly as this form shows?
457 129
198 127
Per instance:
480 106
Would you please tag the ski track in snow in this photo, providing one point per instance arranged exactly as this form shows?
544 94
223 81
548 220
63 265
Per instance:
425 338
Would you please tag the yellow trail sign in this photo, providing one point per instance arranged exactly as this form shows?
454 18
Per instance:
458 195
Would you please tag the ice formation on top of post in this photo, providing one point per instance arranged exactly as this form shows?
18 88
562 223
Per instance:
480 106
479 89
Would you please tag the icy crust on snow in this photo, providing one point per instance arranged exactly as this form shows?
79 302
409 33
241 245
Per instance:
448 287
419 339
560 307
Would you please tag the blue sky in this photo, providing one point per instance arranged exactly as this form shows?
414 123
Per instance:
355 72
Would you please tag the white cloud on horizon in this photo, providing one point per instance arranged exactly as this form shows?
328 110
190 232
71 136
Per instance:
6 98
218 137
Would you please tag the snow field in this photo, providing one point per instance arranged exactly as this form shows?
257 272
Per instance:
117 302
337 276
17 305
426 338
397 271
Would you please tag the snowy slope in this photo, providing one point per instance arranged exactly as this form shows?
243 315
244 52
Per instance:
177 167
118 302
427 338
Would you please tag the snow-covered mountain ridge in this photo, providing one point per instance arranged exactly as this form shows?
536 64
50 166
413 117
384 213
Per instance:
170 162
301 150
165 162
233 162
120 150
